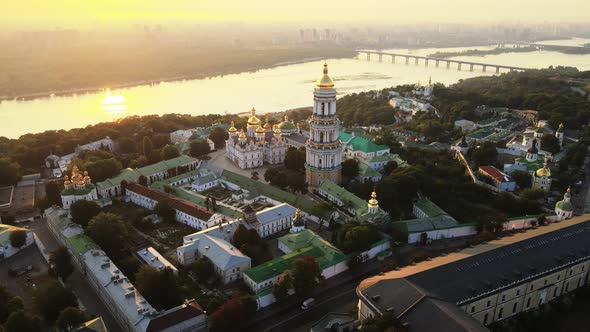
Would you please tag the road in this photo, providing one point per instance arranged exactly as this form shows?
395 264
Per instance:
77 282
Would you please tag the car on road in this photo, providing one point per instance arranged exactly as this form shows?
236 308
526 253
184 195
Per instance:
308 303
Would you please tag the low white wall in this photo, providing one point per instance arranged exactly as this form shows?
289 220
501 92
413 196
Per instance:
525 222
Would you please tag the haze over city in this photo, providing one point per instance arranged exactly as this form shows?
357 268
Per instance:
295 166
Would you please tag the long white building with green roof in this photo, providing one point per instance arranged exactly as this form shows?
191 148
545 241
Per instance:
358 208
155 172
361 147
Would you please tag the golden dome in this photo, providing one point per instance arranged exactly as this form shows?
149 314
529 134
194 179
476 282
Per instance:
253 120
325 81
242 135
260 130
543 172
267 125
232 129
373 201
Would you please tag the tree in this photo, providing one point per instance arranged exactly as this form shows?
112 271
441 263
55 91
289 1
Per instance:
169 152
9 172
249 306
83 211
61 262
165 211
270 174
199 148
542 219
387 322
356 238
203 269
550 143
142 180
108 231
522 178
227 316
306 274
70 318
53 193
390 167
533 194
50 298
486 154
18 238
280 289
147 147
350 169
22 322
218 136
291 158
159 287
8 303
241 236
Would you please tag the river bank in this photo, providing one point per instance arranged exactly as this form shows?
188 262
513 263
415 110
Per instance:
32 78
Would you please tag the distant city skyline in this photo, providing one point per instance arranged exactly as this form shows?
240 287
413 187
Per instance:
67 13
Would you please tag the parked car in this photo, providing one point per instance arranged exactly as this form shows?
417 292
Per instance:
308 303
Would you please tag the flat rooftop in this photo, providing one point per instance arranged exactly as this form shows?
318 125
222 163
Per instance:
476 271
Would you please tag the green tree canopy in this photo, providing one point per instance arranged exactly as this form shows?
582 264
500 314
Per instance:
280 289
159 287
61 261
9 172
199 148
169 152
20 321
306 274
53 193
350 169
523 179
550 143
70 318
108 231
165 211
203 269
51 298
83 211
18 238
218 136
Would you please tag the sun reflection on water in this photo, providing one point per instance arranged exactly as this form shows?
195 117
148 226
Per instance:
113 104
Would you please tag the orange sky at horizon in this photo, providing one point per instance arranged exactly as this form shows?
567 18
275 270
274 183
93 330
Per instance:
69 12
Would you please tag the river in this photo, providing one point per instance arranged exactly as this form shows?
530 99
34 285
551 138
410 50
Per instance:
269 90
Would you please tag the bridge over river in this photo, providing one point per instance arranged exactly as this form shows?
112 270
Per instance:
448 62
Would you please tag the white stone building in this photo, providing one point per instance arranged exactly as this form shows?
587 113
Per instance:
186 212
270 220
229 262
6 248
564 208
257 146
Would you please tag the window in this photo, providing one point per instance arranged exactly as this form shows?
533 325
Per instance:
555 292
528 303
514 307
473 309
571 272
500 313
532 287
485 319
503 298
517 292
567 286
558 276
545 282
488 304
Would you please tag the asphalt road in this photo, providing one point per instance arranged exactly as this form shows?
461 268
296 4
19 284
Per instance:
77 282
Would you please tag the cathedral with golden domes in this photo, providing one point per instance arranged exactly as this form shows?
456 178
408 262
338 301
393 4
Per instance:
257 146
77 187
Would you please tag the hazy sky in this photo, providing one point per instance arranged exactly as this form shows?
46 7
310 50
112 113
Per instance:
73 12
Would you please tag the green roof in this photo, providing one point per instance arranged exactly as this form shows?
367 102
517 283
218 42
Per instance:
326 254
81 244
361 143
480 134
257 188
429 208
348 199
389 157
564 205
132 175
365 170
428 224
